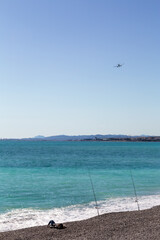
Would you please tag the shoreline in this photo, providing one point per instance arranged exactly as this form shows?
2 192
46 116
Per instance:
27 217
143 224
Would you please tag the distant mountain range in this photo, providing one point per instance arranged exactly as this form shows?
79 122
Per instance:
88 137
97 137
79 137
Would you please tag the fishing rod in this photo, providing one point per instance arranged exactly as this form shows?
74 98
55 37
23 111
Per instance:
135 193
93 192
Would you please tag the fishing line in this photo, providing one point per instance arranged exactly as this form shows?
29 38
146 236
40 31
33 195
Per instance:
135 193
93 192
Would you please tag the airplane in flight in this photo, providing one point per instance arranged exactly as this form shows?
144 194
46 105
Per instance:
119 65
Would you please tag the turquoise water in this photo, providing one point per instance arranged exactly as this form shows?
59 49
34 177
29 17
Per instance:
44 175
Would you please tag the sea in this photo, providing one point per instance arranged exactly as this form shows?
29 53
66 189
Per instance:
75 180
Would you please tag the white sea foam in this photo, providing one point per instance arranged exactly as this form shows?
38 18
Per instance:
23 218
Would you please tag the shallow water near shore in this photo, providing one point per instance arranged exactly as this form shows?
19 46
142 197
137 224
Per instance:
41 180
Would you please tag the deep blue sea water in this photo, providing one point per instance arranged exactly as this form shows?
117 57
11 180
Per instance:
41 180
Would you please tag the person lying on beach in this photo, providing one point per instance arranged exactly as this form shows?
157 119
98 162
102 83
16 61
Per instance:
52 224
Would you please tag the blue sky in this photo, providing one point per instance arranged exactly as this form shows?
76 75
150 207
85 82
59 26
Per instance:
57 72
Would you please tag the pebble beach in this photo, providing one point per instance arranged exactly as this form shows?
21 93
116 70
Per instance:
139 225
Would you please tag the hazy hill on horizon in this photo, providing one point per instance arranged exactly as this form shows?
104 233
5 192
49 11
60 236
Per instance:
83 137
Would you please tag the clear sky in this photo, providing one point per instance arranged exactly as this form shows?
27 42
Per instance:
57 73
